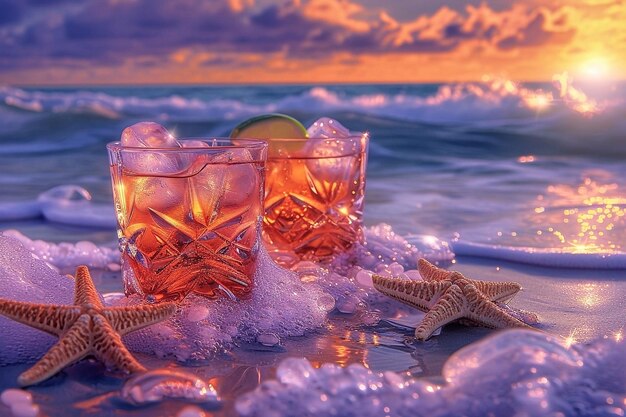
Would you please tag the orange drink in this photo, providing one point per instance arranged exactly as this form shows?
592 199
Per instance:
314 195
189 217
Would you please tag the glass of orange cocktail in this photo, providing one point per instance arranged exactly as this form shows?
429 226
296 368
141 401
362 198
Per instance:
189 217
314 195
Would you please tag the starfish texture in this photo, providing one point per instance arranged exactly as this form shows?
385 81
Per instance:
85 328
447 296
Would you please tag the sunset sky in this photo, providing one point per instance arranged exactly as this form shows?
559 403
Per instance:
306 41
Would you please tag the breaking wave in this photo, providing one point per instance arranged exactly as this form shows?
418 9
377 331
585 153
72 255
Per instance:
557 111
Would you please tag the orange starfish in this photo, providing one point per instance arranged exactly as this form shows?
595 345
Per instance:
85 328
447 296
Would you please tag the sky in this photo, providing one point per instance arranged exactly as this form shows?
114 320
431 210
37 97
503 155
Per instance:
65 42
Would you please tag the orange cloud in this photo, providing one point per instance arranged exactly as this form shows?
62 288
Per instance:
338 12
302 40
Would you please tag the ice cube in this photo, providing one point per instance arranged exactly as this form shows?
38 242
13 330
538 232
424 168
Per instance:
325 127
331 157
241 178
151 135
161 194
207 186
148 135
330 162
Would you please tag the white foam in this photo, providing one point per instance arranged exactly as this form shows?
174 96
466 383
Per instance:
25 278
516 372
382 247
557 258
66 255
280 306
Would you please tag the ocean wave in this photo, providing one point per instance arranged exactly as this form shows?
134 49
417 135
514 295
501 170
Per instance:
501 101
115 107
549 257
65 204
556 119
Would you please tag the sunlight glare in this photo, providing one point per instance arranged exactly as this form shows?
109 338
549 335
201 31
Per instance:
570 340
595 69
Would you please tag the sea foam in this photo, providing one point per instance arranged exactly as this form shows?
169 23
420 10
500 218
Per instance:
516 372
26 278
280 306
66 255
66 204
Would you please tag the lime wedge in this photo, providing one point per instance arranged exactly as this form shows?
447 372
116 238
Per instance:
273 126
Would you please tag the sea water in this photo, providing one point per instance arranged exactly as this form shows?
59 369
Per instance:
478 165
475 159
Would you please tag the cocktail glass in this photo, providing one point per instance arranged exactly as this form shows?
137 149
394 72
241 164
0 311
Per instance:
189 218
314 195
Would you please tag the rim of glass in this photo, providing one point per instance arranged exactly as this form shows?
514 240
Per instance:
353 135
247 143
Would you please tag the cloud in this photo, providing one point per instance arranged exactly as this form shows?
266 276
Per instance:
448 29
114 32
10 12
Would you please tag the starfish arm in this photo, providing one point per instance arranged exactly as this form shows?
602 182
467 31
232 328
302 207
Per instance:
418 294
500 292
107 346
430 272
488 314
450 307
48 318
128 319
73 346
85 293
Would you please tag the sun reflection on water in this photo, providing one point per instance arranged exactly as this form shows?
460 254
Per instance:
589 217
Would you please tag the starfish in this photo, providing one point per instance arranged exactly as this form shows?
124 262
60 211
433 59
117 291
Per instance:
85 328
446 296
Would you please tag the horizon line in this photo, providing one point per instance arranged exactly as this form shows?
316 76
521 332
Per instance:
243 84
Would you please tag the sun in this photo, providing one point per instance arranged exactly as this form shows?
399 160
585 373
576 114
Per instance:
595 68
